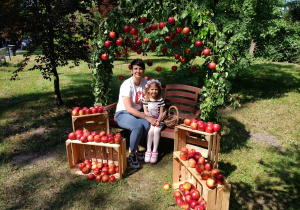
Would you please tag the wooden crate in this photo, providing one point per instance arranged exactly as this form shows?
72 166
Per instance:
217 198
93 122
209 146
100 152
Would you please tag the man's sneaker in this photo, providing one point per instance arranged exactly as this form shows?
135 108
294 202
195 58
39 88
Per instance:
133 162
140 155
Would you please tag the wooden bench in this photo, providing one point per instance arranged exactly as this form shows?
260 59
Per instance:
184 97
2 54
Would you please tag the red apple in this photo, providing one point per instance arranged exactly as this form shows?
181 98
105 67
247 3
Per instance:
167 39
119 42
138 43
118 135
104 139
146 77
193 68
182 59
179 201
102 133
193 204
87 161
198 207
211 183
186 150
171 20
197 155
209 129
216 127
177 194
158 68
208 166
143 20
133 47
97 171
205 174
105 178
173 35
201 160
98 178
154 27
127 40
90 138
175 44
206 52
214 173
164 50
188 199
184 205
187 185
198 44
199 167
89 166
72 136
212 65
107 43
178 30
194 126
192 152
91 176
81 112
117 140
186 39
146 40
149 63
85 170
166 186
99 165
198 53
177 56
220 178
104 56
134 31
81 166
161 25
83 139
186 193
112 34
112 179
152 47
186 30
111 171
192 163
118 55
148 30
97 139
183 155
117 169
174 68
105 168
75 112
126 29
181 189
187 121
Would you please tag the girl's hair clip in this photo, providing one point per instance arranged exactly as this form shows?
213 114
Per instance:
153 81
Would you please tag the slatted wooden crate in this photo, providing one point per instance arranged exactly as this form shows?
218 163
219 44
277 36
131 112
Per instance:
206 143
93 122
100 152
217 198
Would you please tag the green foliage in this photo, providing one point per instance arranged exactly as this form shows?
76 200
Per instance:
227 28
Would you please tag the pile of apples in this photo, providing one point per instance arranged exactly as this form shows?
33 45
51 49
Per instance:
204 168
87 136
189 197
202 126
100 171
85 111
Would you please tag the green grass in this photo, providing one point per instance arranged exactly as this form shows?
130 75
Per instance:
34 172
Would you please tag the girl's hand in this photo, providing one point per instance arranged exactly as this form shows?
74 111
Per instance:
151 120
157 123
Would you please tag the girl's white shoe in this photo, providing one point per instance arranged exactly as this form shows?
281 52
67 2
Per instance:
147 156
153 158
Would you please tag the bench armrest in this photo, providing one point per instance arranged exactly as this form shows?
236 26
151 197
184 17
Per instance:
110 106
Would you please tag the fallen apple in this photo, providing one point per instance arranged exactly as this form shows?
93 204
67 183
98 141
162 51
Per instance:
166 186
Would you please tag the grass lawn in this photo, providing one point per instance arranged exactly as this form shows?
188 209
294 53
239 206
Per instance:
259 145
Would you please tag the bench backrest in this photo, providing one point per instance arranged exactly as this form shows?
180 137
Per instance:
184 97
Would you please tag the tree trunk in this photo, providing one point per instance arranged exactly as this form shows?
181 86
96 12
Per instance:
252 47
52 57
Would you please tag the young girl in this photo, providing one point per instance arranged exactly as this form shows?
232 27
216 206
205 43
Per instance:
154 106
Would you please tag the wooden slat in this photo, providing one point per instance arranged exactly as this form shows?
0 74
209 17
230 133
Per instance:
196 141
183 87
104 155
176 139
115 156
176 169
79 122
99 154
181 107
213 150
211 199
94 127
93 153
88 153
69 153
123 156
179 93
186 102
94 143
109 155
209 139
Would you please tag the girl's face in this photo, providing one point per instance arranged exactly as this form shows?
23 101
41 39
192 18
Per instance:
153 91
137 72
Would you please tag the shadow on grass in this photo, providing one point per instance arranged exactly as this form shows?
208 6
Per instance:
280 194
265 81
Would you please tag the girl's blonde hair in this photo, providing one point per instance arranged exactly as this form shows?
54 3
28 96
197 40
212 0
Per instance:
149 84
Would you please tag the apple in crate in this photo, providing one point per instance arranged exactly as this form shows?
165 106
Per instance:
117 169
181 188
85 170
192 163
207 166
216 127
187 121
81 166
99 165
87 161
111 171
187 185
72 136
102 133
183 155
197 155
91 176
118 135
105 169
117 140
201 160
75 112
188 199
94 133
195 195
186 193
97 171
193 204
194 126
166 186
83 139
199 167
89 166
220 178
209 129
104 139
205 174
214 173
97 139
184 205
112 179
90 138
211 183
